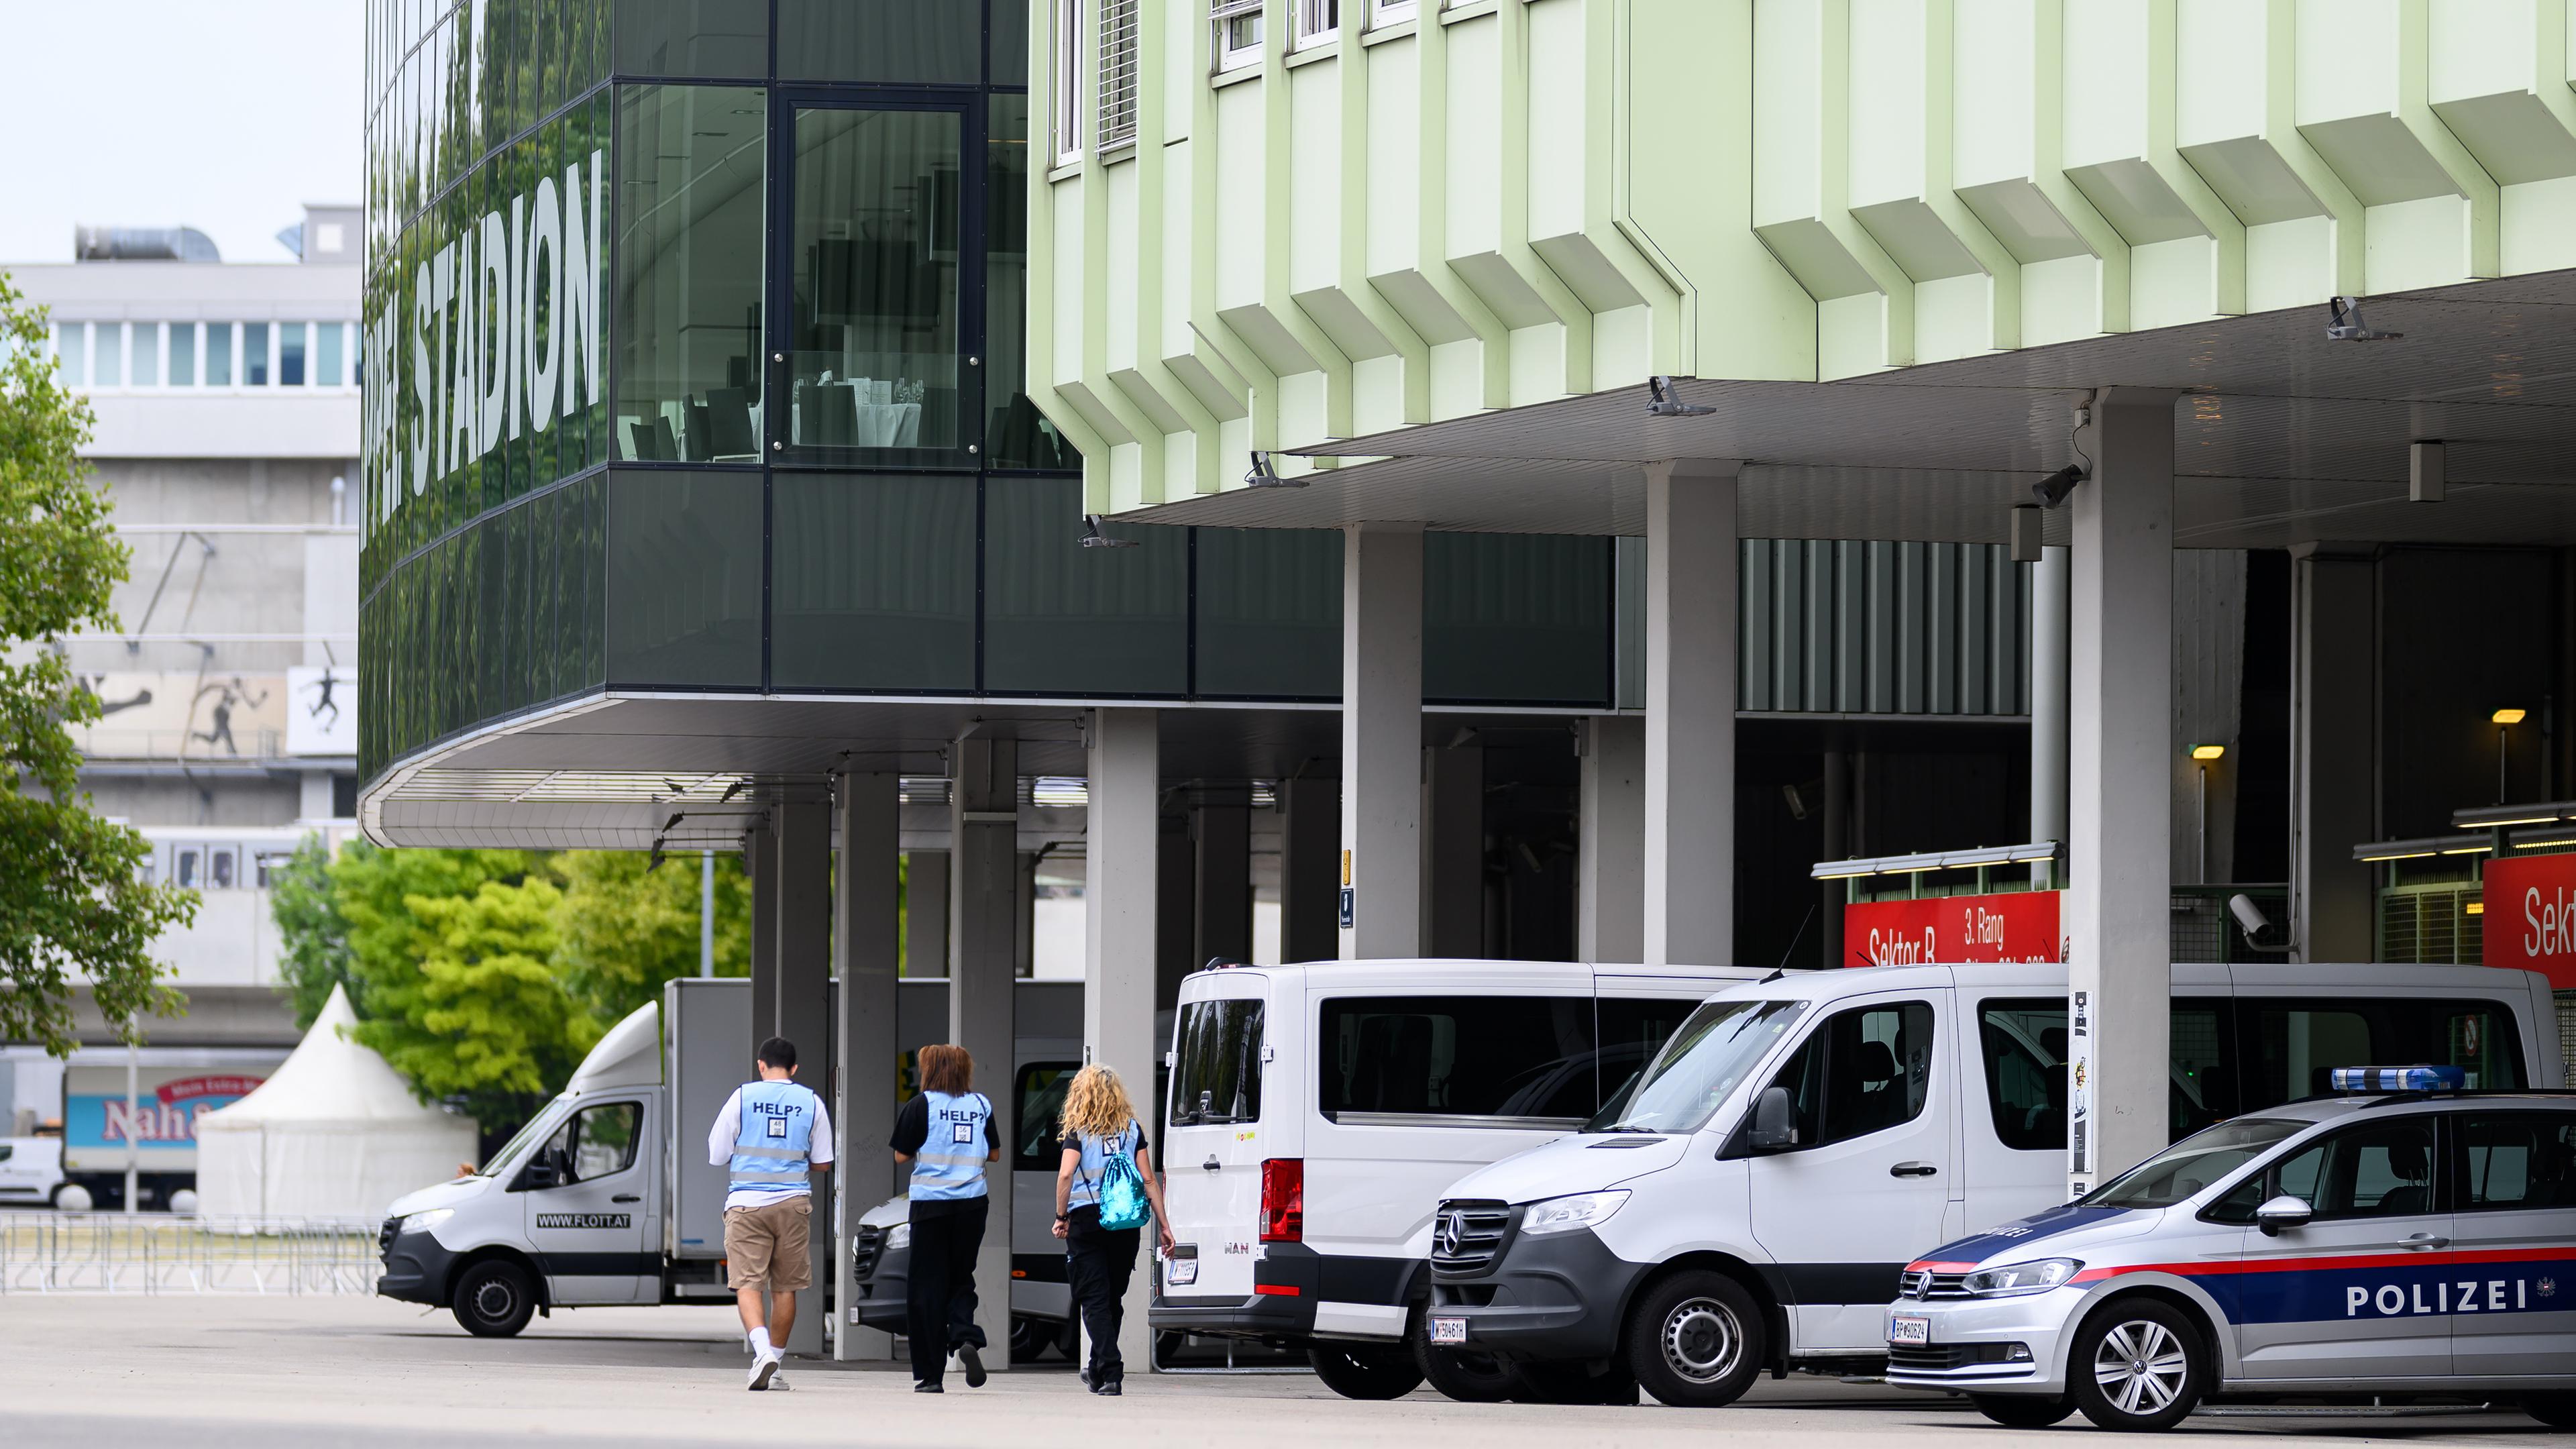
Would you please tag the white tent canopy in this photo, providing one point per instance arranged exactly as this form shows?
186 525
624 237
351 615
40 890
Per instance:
333 1133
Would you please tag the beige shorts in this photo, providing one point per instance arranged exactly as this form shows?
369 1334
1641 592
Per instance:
767 1247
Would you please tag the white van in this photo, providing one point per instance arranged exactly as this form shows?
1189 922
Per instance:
1753 1202
1316 1113
31 1171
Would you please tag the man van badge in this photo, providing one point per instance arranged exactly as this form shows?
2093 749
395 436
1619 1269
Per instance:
1238 1248
583 1220
1453 1230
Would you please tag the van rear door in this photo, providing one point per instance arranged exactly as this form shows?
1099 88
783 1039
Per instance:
1213 1139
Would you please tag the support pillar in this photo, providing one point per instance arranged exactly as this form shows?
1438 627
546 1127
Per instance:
983 929
803 852
1610 841
2119 806
1175 901
1310 880
2049 582
925 913
1689 877
1453 853
1119 926
760 863
2334 716
1221 839
1830 951
866 950
1382 739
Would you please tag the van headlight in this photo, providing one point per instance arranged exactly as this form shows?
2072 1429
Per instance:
898 1236
2013 1279
423 1222
1565 1214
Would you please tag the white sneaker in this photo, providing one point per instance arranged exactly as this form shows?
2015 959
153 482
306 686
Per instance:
763 1370
778 1383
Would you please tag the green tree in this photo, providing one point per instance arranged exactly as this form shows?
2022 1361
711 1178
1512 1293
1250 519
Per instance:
72 899
312 939
625 929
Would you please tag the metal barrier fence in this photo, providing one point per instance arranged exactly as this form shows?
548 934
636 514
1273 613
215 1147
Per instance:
161 1253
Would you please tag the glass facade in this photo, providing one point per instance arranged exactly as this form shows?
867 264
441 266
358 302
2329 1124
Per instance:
692 359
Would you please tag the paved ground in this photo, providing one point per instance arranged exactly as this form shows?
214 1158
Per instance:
251 1373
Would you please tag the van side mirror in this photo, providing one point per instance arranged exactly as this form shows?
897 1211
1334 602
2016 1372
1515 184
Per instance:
1772 1131
2281 1212
541 1172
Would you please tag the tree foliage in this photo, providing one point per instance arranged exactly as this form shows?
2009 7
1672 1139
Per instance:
626 928
73 903
312 939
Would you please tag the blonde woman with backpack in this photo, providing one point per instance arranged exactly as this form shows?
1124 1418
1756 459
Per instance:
1105 1193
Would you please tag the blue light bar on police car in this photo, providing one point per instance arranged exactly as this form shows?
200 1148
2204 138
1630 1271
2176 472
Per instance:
2399 1079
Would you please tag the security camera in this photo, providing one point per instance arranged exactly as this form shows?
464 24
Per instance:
2344 324
1092 537
1663 401
2248 915
2053 489
1262 475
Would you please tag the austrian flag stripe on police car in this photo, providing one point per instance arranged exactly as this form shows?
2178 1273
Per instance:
2375 1285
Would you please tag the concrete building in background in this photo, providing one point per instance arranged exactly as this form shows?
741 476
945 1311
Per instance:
226 398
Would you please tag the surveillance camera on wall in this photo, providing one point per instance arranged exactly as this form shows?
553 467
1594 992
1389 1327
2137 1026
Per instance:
2344 324
2248 915
2053 489
1664 401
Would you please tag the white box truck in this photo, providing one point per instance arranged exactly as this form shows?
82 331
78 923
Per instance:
606 1196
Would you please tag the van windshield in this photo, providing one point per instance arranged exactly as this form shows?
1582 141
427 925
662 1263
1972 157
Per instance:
547 1119
1216 1063
1705 1060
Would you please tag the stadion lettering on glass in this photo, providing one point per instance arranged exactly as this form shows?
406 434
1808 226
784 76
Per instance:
504 322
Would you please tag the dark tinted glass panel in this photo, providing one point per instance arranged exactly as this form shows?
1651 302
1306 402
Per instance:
1476 1056
2290 1048
1015 435
1008 42
2381 1170
1216 1068
688 258
1270 612
1515 617
1035 1133
921 42
2517 1161
711 38
874 356
684 572
1862 1071
2023 1044
874 583
1063 619
1631 1033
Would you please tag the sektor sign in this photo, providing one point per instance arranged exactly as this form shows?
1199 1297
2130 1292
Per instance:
2531 916
2006 926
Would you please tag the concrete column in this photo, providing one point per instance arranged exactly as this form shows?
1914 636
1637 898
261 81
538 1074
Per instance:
1024 916
1382 739
1221 838
2334 716
2048 622
925 895
2120 824
1837 845
803 852
983 928
1119 927
760 862
1689 877
1453 850
1610 841
1310 877
1176 874
865 953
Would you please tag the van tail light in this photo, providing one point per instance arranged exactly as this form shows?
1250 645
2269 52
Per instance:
1283 1199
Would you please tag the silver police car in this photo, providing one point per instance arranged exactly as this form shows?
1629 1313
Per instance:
2407 1238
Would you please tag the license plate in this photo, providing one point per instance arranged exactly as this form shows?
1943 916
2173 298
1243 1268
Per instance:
1909 1330
1181 1269
1448 1330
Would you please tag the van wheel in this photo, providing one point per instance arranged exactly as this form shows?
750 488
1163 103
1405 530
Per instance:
2022 1411
2137 1364
1462 1374
2558 1411
1696 1339
493 1299
1355 1372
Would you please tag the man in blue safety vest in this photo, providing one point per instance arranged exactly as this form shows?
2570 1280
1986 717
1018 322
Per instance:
770 1134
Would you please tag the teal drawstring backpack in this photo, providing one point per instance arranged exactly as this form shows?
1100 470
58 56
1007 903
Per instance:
1120 1188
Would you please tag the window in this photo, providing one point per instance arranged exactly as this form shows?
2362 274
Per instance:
1068 53
1864 1070
2377 1170
1317 20
1514 1058
1035 1131
599 1141
1706 1057
691 175
1236 33
2516 1161
71 352
1216 1067
183 354
2194 1163
146 368
330 353
905 41
107 354
219 354
290 354
2023 1044
255 366
219 868
188 868
1631 1032
2290 1047
1391 12
1117 90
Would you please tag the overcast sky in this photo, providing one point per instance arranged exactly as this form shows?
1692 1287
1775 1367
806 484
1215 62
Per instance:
224 115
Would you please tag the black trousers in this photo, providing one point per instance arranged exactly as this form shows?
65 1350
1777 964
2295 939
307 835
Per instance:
939 1294
1097 1263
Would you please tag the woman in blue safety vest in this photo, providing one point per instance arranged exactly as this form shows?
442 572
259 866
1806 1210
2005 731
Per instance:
1105 1168
946 1135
